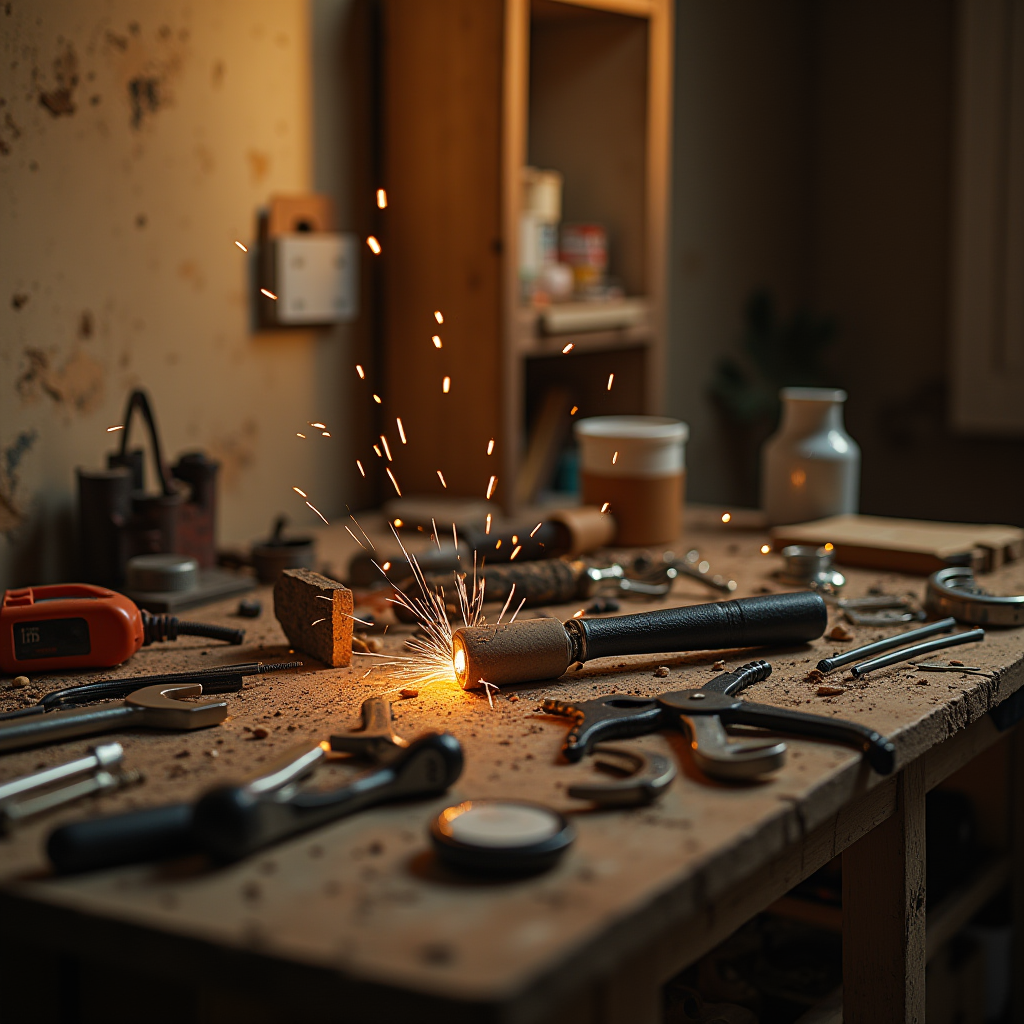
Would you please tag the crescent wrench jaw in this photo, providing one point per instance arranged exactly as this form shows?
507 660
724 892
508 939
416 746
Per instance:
719 757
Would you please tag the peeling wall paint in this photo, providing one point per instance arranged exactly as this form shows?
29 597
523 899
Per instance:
137 141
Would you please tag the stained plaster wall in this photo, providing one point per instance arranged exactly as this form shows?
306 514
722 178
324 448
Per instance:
137 141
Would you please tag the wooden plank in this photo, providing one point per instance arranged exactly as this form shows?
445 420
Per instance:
905 545
442 239
884 914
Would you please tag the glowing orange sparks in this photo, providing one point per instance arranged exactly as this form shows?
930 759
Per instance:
382 199
120 426
579 614
568 348
318 512
446 385
490 446
726 517
240 246
326 433
536 528
611 380
605 506
575 409
359 370
398 490
438 317
401 429
386 566
497 546
318 426
374 245
387 450
376 398
519 547
490 486
436 340
380 454
303 436
765 548
301 493
615 458
269 294
440 476
487 529
359 466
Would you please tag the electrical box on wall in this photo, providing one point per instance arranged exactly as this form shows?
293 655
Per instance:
308 273
316 278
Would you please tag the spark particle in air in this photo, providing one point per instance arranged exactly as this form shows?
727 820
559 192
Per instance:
382 199
359 465
269 294
374 245
240 246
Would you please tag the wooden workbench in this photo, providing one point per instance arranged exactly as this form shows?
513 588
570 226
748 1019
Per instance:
357 922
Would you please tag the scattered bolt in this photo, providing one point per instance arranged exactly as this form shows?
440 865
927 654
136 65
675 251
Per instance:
18 682
661 671
719 666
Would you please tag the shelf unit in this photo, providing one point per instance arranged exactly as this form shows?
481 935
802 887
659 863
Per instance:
474 91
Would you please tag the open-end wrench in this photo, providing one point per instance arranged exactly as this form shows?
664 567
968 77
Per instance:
152 707
234 821
377 738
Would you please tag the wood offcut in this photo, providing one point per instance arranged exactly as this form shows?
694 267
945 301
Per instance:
316 615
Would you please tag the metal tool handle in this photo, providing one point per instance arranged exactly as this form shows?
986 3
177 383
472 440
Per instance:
153 834
899 640
63 725
879 751
552 581
775 620
941 643
232 822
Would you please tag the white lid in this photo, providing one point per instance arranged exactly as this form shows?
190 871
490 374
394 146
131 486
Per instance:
632 446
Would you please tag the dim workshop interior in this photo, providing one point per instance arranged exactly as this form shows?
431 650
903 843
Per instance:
512 511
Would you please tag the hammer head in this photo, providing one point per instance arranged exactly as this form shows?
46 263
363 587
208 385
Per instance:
512 652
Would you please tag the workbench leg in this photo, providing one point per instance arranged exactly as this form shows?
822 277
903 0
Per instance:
883 914
1016 810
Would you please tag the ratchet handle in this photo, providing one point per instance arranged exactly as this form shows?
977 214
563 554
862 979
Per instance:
231 822
774 620
156 833
880 752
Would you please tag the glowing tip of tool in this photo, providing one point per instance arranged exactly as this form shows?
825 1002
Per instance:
459 661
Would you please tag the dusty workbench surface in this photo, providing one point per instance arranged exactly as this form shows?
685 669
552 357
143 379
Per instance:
363 903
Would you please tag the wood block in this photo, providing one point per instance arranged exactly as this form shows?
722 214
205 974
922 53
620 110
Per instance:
316 615
907 545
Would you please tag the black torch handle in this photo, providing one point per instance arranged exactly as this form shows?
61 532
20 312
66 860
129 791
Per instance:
775 620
